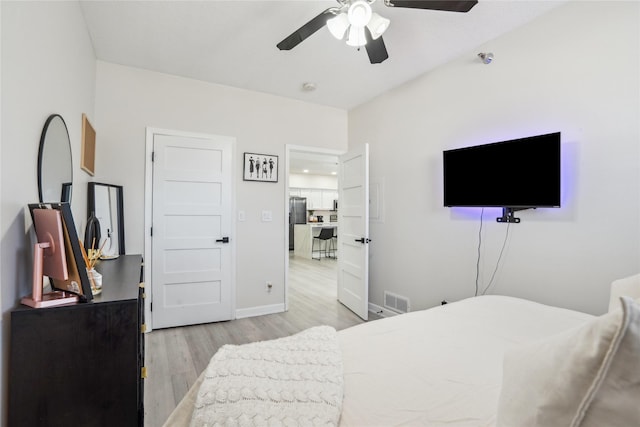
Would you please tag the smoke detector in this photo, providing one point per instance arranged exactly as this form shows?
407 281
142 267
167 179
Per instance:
308 87
486 57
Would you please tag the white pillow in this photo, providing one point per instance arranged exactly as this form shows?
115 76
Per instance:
629 286
584 377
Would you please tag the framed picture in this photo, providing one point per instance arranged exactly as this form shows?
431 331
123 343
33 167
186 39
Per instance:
260 167
88 149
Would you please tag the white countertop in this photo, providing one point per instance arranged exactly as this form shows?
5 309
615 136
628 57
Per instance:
323 224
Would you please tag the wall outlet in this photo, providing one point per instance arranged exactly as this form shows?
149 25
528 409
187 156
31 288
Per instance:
268 286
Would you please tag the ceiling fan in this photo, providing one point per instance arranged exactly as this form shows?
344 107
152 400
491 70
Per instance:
364 27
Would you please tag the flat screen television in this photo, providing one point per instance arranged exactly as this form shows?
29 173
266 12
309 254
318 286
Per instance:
520 173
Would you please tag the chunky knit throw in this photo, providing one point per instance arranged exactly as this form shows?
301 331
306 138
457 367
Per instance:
292 381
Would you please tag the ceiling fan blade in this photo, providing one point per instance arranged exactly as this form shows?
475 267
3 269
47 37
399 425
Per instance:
447 5
306 30
376 49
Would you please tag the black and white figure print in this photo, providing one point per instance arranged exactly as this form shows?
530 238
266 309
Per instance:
260 167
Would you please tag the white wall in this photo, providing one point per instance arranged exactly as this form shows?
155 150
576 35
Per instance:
128 100
48 66
313 181
574 70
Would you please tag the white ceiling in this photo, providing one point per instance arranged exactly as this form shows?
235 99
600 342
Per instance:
313 163
234 43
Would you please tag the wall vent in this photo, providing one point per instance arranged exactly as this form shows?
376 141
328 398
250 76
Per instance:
396 302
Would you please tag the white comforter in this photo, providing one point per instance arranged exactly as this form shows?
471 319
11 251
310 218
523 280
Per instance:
437 367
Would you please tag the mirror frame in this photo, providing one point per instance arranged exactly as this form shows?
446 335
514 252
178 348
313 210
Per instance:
91 207
67 187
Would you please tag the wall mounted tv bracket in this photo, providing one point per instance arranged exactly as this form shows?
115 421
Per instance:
507 215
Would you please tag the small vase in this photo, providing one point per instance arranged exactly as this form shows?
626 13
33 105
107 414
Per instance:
95 279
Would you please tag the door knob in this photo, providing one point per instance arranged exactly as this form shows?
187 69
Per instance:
223 240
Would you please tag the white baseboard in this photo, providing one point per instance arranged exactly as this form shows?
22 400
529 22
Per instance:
381 311
260 310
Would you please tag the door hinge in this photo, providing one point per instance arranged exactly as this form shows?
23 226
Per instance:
151 304
153 156
151 231
143 372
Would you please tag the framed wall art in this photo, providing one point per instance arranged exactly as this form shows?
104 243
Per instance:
260 167
88 149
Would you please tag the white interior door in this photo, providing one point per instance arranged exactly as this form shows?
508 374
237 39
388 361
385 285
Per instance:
353 239
191 272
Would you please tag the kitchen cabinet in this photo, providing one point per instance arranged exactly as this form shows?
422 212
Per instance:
328 196
314 197
318 199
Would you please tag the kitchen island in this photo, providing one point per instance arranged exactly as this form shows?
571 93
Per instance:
304 234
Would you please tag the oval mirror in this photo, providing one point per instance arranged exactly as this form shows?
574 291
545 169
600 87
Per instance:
55 168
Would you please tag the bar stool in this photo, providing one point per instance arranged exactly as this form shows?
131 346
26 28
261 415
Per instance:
334 241
326 234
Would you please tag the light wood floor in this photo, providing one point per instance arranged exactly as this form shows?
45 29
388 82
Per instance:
175 357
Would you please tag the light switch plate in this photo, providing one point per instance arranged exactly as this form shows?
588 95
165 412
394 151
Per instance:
242 216
267 216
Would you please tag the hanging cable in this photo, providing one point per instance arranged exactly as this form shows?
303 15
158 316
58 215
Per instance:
479 247
504 244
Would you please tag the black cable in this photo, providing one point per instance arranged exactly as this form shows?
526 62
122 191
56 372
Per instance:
499 258
479 246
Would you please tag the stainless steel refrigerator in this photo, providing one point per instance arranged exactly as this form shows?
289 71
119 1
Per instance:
297 215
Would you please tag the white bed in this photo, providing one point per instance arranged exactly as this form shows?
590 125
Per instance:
439 367
444 366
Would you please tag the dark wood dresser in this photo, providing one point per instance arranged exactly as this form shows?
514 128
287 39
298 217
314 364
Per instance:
83 364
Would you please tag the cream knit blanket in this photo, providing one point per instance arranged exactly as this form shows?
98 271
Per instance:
292 381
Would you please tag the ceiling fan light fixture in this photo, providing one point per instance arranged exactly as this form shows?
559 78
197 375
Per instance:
359 13
357 37
377 25
362 25
338 25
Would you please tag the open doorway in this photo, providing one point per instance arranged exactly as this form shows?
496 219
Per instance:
311 187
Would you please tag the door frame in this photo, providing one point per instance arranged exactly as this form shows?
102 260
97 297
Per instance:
302 149
148 217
